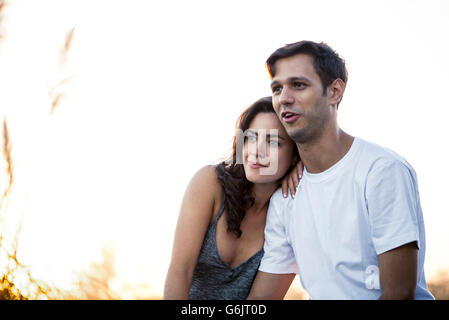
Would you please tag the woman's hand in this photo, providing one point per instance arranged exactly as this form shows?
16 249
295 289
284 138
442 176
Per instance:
291 180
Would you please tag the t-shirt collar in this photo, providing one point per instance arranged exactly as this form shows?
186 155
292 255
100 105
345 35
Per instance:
321 176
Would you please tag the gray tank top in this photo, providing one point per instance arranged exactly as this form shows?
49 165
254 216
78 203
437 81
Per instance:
214 279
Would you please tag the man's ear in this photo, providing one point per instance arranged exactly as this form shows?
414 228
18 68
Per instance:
335 91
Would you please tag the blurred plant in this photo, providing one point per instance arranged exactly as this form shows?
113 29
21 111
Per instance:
16 281
296 291
100 282
6 150
57 91
439 285
95 284
2 7
9 264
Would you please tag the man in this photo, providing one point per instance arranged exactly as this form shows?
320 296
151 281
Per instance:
354 229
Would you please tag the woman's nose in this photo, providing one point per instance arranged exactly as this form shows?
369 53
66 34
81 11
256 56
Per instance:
261 148
258 149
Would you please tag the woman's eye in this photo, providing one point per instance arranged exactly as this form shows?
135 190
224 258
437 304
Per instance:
251 138
274 143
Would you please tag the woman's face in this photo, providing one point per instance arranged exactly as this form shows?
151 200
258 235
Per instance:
268 151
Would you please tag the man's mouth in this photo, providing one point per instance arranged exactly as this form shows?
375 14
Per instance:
288 116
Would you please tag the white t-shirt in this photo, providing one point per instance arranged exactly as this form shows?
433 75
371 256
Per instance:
340 221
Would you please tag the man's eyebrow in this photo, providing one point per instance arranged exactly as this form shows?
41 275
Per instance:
291 79
274 83
268 135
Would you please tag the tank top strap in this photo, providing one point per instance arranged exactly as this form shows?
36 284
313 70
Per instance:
220 212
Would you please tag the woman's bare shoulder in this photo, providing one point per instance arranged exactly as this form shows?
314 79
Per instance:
204 193
206 179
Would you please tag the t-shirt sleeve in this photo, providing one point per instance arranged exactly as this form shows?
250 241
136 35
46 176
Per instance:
393 204
279 256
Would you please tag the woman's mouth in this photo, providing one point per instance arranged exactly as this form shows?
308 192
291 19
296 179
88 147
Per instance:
256 165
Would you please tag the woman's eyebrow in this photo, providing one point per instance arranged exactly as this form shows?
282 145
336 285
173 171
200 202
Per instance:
250 131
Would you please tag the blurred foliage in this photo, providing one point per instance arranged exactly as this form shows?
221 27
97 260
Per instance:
16 281
439 285
95 284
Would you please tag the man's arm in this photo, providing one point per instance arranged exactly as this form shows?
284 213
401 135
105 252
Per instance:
270 286
393 206
398 272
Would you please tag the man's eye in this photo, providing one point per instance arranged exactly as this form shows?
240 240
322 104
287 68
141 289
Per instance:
276 89
299 85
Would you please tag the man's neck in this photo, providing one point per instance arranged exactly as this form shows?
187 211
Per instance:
325 151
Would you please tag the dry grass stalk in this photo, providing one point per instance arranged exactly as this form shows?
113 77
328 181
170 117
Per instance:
57 92
2 7
8 159
66 47
9 172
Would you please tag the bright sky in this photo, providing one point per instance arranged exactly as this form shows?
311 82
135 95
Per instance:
154 93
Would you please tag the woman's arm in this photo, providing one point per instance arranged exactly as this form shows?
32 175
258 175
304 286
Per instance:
196 213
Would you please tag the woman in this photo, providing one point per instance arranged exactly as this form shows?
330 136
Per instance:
220 231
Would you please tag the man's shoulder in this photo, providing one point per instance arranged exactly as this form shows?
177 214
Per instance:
277 197
374 151
278 202
373 156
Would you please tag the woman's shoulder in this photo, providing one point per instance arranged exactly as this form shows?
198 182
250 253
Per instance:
208 188
207 173
206 178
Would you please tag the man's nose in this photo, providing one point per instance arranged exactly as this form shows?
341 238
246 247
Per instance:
286 98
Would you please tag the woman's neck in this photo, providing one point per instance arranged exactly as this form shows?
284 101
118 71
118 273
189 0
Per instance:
262 193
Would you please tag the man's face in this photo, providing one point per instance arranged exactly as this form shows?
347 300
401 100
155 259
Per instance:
298 98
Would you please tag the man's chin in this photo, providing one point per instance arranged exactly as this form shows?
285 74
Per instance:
299 135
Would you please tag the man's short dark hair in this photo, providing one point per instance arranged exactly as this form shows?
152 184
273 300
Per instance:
327 63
